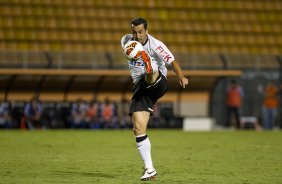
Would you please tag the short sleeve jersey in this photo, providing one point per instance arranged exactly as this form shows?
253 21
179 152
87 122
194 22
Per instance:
159 53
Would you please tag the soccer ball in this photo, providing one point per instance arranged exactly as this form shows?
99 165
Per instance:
132 50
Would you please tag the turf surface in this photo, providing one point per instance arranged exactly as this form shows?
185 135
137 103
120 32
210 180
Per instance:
72 156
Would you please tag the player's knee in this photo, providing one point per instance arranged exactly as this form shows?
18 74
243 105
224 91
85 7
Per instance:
138 130
134 131
150 79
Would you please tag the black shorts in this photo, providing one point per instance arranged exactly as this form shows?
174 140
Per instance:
145 96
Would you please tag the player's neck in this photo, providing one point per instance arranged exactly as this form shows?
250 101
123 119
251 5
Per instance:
145 41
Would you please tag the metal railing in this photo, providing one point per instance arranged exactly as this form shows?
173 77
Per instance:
116 60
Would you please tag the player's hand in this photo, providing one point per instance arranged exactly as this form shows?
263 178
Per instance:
183 81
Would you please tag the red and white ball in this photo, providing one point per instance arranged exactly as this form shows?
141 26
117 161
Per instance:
132 50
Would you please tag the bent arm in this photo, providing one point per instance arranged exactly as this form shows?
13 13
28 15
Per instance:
182 79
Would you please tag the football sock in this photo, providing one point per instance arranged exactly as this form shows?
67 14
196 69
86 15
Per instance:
144 148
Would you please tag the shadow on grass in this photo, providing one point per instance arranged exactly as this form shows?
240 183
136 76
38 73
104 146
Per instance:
87 174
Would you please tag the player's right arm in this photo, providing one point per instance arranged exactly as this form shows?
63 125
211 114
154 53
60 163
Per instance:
125 39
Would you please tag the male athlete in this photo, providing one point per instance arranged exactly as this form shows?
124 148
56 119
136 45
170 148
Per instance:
149 77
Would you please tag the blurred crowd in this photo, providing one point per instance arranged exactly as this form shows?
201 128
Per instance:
79 114
271 109
107 114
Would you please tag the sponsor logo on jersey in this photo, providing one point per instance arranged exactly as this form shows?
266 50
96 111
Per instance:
163 53
135 63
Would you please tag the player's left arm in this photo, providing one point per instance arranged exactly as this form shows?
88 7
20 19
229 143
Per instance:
177 69
164 53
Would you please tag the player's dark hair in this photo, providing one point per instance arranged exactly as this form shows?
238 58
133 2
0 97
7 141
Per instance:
138 21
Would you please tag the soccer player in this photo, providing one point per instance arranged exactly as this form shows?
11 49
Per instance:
149 77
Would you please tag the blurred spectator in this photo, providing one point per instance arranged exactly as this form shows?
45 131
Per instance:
123 109
92 115
270 105
109 114
234 95
78 114
5 116
32 113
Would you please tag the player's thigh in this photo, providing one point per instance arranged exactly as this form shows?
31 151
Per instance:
140 121
158 92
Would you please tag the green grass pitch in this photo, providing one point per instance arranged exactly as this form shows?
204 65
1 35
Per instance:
76 156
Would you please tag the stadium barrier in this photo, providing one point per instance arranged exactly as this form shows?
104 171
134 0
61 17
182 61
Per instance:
198 124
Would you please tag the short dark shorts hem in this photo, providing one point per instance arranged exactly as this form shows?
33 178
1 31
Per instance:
145 96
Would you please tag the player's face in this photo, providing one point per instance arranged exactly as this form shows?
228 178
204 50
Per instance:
139 33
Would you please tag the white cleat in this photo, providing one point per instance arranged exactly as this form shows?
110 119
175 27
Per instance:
149 174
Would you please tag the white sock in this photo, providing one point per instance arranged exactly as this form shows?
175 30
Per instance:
144 148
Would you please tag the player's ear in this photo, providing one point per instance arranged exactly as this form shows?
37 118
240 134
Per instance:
146 31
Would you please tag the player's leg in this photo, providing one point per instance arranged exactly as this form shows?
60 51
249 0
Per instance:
140 109
151 69
140 121
151 78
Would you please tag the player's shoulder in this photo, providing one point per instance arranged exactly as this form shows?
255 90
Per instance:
154 40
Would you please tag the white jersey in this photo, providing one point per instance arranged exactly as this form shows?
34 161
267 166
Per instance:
159 53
